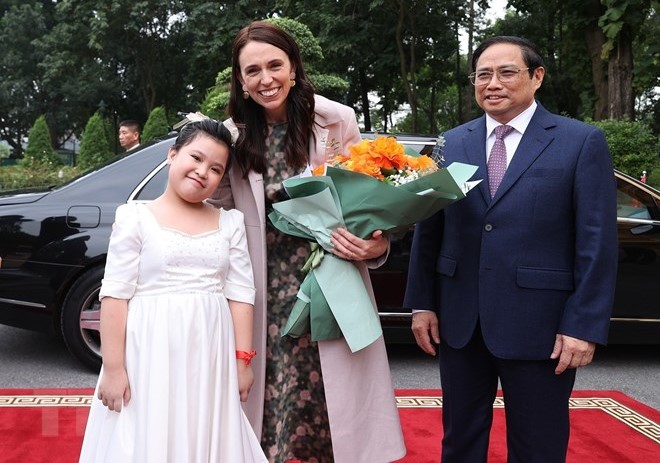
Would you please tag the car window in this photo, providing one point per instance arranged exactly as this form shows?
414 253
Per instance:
154 187
633 203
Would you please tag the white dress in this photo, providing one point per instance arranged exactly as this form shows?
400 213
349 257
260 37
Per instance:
180 358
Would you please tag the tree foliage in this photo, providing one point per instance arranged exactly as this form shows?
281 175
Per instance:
39 148
633 145
71 58
94 149
22 98
591 47
156 125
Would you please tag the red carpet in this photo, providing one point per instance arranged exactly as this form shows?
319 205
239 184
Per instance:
42 425
47 425
606 427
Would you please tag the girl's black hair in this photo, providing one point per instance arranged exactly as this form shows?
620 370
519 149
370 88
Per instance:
213 129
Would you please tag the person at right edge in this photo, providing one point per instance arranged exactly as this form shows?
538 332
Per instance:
516 282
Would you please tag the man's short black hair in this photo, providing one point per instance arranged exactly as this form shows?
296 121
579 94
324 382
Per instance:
530 52
131 124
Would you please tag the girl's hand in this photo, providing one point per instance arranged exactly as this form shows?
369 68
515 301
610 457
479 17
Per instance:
245 379
350 247
114 390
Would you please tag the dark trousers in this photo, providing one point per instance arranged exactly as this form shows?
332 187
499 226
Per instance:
536 405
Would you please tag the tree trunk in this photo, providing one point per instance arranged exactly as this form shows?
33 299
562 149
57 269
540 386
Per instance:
404 72
461 93
620 66
595 39
433 123
17 148
364 98
465 110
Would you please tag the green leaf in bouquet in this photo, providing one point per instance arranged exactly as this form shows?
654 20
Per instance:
387 172
411 152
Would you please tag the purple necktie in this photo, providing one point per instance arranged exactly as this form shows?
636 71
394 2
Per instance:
497 158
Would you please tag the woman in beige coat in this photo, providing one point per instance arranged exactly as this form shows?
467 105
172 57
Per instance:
314 402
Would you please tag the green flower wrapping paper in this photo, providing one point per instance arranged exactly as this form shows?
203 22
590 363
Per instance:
333 300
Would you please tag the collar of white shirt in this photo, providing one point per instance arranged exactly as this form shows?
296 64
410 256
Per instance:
520 122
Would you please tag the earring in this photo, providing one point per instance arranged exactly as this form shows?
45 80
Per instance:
293 83
246 95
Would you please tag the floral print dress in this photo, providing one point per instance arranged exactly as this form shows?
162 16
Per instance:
295 422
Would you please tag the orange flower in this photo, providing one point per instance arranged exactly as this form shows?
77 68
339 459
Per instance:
320 170
421 163
386 152
365 166
381 157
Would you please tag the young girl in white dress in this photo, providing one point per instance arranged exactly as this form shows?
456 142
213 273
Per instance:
176 322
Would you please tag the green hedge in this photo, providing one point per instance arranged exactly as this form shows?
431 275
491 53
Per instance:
39 149
156 126
34 175
94 148
634 148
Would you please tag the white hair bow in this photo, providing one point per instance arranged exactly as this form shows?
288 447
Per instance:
197 116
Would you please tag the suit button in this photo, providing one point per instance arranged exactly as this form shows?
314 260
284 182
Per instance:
488 227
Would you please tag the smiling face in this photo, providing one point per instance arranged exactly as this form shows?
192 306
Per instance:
266 73
197 168
505 101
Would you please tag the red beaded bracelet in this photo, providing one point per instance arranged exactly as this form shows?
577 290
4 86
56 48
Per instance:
246 356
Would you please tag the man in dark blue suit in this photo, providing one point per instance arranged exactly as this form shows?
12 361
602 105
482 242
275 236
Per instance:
516 281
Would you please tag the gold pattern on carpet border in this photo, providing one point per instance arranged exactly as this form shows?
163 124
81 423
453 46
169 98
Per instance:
627 416
45 400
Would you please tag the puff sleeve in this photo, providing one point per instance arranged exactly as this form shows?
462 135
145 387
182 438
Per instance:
123 261
239 285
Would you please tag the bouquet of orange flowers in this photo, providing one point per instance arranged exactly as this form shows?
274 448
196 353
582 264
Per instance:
376 186
384 159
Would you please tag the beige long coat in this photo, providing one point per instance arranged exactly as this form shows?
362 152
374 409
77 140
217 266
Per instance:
364 422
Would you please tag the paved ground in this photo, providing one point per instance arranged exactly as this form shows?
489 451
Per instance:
33 360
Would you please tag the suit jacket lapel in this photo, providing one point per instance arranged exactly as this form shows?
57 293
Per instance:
474 146
532 144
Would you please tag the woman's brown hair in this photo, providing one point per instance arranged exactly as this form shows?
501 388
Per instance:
249 116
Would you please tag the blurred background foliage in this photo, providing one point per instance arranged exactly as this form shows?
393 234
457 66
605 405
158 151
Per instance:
401 64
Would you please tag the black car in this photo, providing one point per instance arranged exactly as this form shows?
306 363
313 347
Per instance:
53 244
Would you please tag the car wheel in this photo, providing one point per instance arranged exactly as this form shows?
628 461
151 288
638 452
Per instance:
81 318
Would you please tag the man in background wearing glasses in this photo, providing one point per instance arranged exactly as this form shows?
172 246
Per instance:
516 282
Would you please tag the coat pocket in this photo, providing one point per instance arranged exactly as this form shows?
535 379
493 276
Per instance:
545 278
445 266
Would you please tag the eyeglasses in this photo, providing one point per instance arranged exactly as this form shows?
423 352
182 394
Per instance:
504 75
